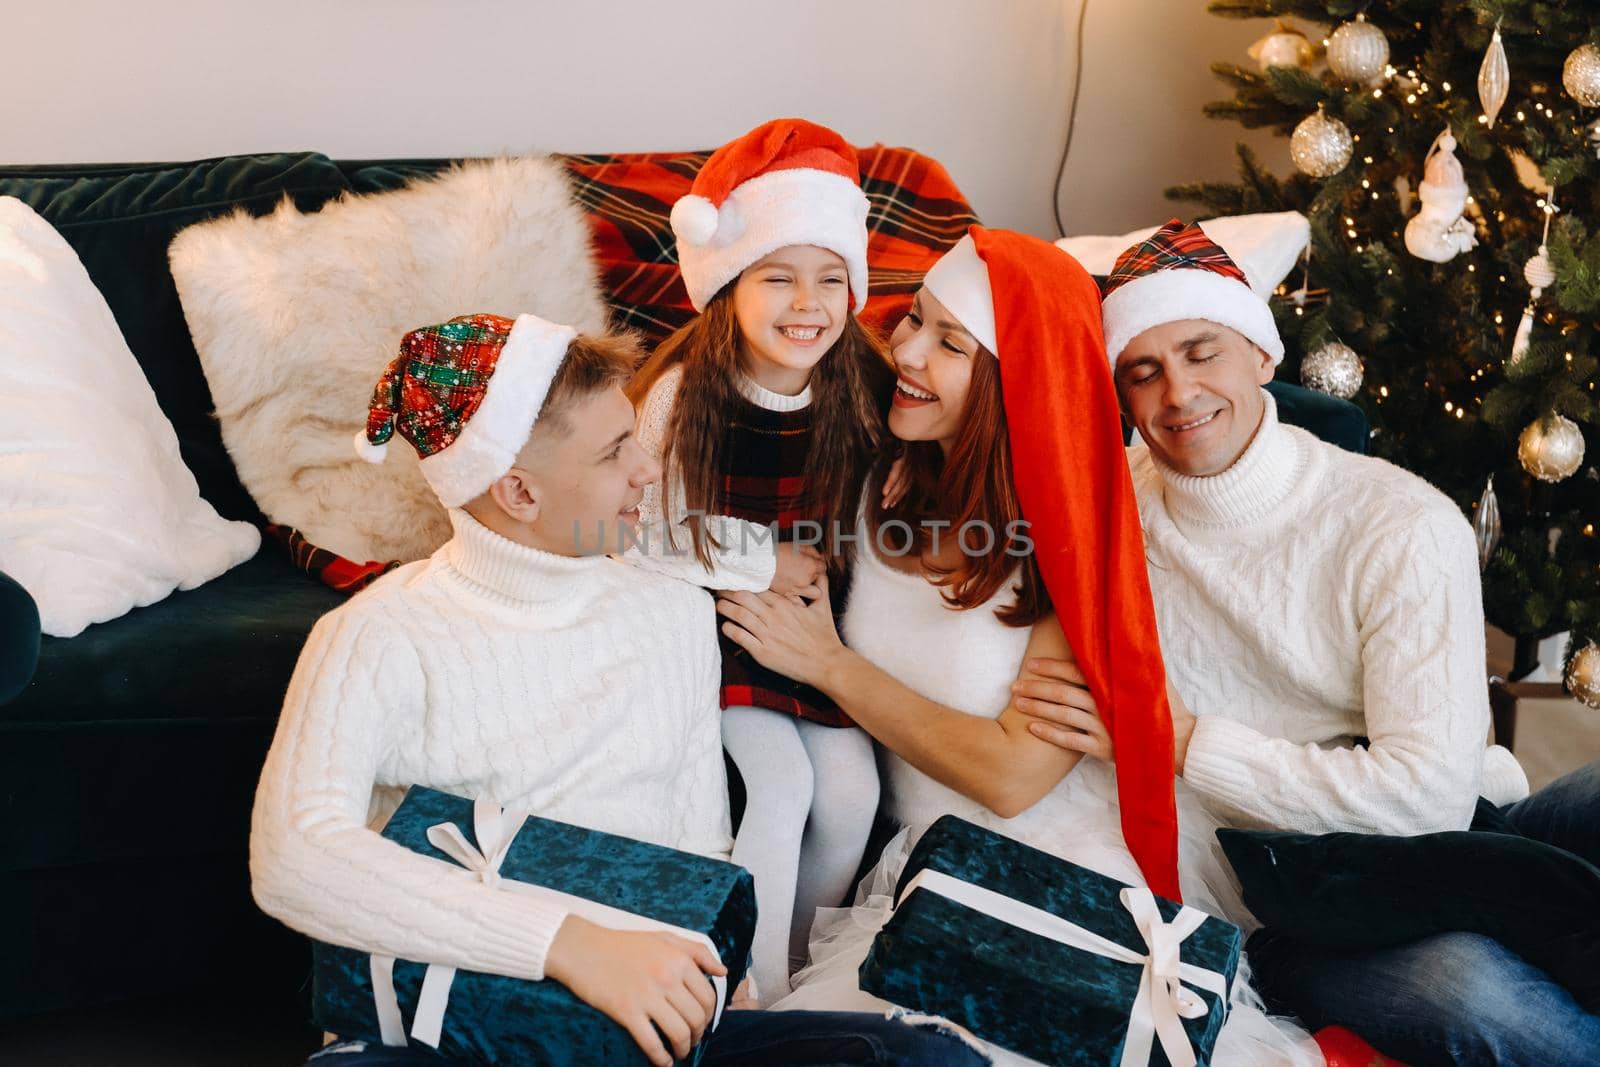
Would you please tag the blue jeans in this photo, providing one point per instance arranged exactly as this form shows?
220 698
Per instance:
1455 998
767 1038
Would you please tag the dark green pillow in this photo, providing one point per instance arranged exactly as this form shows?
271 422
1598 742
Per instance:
1369 891
19 637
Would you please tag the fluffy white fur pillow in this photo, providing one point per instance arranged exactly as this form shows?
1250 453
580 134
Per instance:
295 316
98 514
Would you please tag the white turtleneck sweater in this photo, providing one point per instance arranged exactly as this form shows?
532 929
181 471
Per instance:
580 688
1306 597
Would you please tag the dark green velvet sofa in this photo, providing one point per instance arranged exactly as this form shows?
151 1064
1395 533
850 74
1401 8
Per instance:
129 754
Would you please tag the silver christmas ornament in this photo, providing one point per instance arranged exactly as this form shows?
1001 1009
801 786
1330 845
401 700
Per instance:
1551 449
1358 51
1580 75
1334 369
1583 675
1494 78
1321 145
1592 132
1285 46
1486 524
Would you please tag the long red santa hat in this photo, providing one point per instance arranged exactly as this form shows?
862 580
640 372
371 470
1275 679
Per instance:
1038 311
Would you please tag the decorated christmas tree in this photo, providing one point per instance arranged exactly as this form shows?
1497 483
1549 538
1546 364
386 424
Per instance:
1449 161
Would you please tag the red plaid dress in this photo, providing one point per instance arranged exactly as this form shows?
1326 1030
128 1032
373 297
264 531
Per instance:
765 484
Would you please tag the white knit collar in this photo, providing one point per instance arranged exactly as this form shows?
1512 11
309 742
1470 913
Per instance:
515 574
1247 492
762 397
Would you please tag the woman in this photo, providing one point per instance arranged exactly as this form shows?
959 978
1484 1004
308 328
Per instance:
1006 406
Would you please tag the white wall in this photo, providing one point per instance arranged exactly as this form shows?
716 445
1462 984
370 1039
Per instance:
982 85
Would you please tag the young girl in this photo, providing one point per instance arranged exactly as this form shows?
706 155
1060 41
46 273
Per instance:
766 411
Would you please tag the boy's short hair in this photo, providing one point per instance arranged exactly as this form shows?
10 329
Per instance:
593 362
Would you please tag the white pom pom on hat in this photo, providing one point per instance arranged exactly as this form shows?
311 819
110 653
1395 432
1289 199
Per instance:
694 220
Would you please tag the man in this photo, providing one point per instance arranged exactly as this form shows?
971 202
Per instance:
1322 631
513 666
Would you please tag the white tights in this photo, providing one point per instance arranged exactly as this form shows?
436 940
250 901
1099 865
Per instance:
811 793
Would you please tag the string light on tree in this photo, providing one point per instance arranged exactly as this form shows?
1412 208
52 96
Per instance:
1551 448
1321 145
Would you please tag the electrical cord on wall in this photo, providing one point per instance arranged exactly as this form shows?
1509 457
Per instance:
1072 121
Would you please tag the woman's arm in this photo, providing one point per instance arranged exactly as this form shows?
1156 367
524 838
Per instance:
996 762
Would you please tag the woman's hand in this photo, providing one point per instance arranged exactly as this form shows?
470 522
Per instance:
1065 712
786 634
895 484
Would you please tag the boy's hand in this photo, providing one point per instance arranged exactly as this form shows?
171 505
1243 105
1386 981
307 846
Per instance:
799 566
639 979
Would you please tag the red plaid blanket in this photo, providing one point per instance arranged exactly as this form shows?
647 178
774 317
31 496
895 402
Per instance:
916 214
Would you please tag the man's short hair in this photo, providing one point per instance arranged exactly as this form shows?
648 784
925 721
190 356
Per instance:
593 362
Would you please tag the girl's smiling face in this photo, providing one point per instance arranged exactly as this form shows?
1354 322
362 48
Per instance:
792 306
933 354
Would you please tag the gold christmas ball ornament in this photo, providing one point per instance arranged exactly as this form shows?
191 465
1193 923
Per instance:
1551 449
1334 369
1285 46
1581 75
1583 675
1321 145
1358 51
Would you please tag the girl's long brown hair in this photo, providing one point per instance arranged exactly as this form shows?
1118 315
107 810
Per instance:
972 484
850 389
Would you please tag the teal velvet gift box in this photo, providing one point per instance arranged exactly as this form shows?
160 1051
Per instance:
978 937
493 1019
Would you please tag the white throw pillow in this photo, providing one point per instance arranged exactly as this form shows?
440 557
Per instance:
98 514
1264 246
296 315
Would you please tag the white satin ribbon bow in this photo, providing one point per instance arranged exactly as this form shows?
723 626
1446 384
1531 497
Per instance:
1162 1002
495 828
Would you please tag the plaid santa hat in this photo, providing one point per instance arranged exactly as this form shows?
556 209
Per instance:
465 393
786 182
1179 272
1038 311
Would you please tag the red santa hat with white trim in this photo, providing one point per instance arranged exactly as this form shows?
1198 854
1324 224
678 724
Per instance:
1038 311
786 182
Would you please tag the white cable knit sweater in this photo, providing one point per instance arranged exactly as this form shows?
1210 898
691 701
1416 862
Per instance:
581 688
1308 596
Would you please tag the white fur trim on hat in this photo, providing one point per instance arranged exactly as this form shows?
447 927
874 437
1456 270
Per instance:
960 281
1187 293
798 206
489 442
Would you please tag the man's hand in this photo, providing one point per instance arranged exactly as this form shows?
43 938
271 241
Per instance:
799 567
639 979
784 633
1068 718
1066 711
